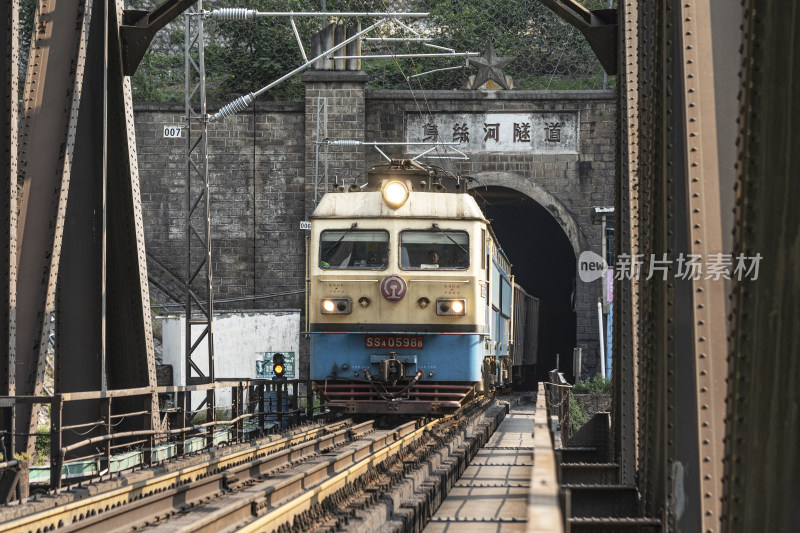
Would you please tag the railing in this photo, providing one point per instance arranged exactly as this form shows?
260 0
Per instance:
558 393
257 406
544 507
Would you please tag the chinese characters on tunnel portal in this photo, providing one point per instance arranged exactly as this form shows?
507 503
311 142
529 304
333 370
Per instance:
537 132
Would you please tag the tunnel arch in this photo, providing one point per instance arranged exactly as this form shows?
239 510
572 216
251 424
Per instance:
538 194
543 241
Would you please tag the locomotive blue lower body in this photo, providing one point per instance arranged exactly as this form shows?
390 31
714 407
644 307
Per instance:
434 379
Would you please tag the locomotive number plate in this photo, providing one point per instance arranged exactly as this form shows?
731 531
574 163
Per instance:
405 342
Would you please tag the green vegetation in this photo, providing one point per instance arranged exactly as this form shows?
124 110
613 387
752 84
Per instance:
302 402
242 56
160 78
577 415
221 414
42 456
597 385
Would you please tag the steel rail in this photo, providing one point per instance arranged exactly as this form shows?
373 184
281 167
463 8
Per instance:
95 512
292 507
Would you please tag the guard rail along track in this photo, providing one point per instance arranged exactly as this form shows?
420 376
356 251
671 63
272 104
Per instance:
324 477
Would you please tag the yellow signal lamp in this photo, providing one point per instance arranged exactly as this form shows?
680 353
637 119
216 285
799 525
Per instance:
278 365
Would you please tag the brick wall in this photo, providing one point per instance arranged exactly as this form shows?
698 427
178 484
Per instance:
344 93
257 175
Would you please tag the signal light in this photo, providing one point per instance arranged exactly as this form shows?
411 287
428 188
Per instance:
446 306
336 306
278 365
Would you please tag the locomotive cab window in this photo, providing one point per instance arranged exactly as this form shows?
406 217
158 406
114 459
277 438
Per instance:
434 249
354 249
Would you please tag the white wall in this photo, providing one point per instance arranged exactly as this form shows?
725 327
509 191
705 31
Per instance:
239 340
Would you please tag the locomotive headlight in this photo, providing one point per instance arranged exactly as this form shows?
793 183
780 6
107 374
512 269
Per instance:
335 306
446 306
395 194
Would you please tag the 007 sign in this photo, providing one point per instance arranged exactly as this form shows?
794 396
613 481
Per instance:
405 342
172 132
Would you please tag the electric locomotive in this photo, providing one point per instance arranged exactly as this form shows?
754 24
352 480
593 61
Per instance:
409 304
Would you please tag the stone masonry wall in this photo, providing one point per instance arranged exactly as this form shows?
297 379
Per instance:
257 175
344 93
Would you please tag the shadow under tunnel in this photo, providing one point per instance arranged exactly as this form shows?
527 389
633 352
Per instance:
543 263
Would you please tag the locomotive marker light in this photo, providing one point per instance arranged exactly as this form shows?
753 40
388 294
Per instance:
335 306
446 306
395 193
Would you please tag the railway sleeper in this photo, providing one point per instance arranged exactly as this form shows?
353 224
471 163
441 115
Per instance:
408 501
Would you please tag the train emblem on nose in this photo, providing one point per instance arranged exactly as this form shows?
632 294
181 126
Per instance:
393 288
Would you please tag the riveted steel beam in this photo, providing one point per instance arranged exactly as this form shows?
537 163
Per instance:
103 330
51 100
81 234
625 398
130 352
598 26
763 428
692 21
681 323
9 37
139 27
79 342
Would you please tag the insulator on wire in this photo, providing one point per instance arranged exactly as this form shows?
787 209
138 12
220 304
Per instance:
233 13
345 142
234 107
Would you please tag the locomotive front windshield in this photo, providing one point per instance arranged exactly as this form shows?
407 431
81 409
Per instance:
434 249
354 249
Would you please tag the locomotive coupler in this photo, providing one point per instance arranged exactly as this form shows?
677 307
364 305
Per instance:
390 370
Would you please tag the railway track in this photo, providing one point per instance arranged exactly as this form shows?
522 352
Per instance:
103 505
390 479
324 478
